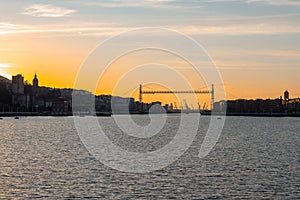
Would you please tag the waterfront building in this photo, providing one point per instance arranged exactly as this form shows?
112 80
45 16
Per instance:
60 105
121 104
250 106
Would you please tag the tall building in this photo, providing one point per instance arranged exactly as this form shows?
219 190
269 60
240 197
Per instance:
35 82
19 99
18 84
35 101
286 95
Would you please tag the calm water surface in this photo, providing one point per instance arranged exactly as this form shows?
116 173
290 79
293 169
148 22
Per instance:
254 158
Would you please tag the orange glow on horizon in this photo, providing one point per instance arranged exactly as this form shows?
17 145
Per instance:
58 60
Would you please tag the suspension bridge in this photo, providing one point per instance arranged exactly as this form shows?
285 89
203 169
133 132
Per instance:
212 92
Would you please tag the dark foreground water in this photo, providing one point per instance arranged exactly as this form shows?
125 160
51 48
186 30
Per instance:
254 158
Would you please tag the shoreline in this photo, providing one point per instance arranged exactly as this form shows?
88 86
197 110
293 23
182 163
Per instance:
108 114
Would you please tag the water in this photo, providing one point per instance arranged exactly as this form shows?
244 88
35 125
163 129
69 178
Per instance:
254 158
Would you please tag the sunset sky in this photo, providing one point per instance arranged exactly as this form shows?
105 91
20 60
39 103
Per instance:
255 44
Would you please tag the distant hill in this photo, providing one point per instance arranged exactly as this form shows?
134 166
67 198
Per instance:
4 80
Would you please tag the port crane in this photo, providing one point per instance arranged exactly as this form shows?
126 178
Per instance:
212 92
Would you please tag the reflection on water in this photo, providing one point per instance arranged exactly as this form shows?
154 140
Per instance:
254 158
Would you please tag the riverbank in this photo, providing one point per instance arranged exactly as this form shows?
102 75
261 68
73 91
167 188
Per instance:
39 114
107 114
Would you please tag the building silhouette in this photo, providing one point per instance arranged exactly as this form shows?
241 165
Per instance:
35 82
18 84
18 96
258 106
19 99
34 92
286 96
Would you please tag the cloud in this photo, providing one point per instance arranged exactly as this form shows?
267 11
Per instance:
67 30
227 26
64 30
246 29
3 70
4 25
47 10
279 53
240 52
252 65
2 65
270 2
254 29
277 2
156 4
70 30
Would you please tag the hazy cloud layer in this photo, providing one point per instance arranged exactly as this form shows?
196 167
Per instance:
278 2
270 2
242 27
47 10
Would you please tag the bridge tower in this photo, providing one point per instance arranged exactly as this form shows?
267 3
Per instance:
141 94
212 101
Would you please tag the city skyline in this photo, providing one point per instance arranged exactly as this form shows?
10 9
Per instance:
253 43
35 81
19 95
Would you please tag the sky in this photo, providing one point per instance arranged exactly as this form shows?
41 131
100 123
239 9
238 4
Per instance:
255 44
